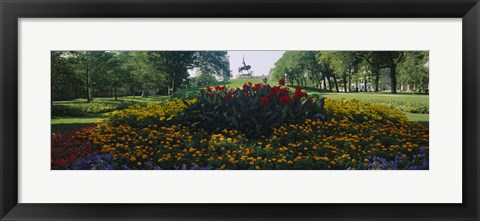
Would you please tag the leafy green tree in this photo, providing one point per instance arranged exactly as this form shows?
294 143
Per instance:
342 63
213 62
63 75
205 78
172 65
292 67
312 68
391 60
414 70
93 67
372 62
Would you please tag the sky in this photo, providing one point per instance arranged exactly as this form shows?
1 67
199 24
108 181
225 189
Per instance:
260 61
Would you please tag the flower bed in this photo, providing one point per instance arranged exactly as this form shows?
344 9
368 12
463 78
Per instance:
306 133
253 109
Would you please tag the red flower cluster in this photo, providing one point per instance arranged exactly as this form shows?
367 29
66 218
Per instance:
299 93
277 91
219 88
280 94
67 148
285 100
274 91
264 101
229 95
256 87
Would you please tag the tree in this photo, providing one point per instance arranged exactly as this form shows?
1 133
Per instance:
297 67
173 66
85 63
63 77
213 62
414 70
341 63
373 62
93 66
391 59
205 79
311 67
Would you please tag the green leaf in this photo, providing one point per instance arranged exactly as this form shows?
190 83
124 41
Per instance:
259 128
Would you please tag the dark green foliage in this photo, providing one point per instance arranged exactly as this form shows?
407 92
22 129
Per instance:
253 110
83 109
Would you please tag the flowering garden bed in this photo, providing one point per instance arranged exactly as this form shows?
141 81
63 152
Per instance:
254 127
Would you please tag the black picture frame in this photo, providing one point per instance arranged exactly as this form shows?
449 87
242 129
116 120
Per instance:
12 10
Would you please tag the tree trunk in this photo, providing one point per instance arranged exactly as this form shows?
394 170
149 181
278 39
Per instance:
330 84
377 76
88 86
336 84
350 84
173 82
365 83
324 82
345 83
115 91
393 78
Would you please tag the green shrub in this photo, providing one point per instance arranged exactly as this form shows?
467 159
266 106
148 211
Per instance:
86 109
254 109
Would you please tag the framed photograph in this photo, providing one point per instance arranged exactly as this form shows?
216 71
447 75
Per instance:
162 110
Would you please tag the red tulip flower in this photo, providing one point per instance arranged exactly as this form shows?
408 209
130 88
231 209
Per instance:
264 101
285 100
229 95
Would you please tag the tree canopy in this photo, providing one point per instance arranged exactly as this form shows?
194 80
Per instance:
354 70
84 74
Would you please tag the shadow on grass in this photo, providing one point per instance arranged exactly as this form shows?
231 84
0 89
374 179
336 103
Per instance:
60 128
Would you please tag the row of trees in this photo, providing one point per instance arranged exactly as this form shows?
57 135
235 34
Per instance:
79 74
346 68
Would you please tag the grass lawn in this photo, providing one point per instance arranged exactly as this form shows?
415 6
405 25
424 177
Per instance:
232 83
67 123
111 100
422 118
238 82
